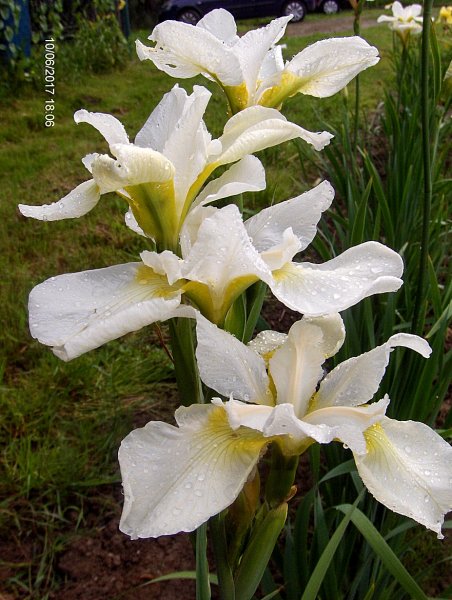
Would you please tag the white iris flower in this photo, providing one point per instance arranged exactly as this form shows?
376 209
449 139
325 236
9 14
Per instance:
161 174
221 257
251 69
175 478
404 21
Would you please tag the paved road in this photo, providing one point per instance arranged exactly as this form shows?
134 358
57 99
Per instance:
328 25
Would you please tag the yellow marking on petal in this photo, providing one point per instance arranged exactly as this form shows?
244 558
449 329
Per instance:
243 440
214 301
237 96
154 207
288 86
375 437
157 285
285 272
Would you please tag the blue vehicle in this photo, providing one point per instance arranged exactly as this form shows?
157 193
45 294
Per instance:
191 11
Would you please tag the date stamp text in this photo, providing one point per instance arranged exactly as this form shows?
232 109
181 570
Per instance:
49 82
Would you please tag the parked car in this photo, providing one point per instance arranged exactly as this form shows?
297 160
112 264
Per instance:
191 11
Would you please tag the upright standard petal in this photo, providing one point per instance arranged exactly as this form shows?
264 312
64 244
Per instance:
408 468
221 24
175 478
229 367
77 312
296 367
222 263
182 50
107 125
302 214
247 175
252 48
75 204
357 273
356 380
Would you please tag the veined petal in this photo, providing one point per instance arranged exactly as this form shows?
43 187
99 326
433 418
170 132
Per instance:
189 133
348 424
132 223
356 380
220 23
299 434
182 50
408 468
327 66
75 204
296 367
165 263
252 48
279 255
88 161
78 312
357 273
248 175
229 367
301 214
107 125
266 342
134 166
271 68
242 414
224 259
256 128
175 478
190 228
162 122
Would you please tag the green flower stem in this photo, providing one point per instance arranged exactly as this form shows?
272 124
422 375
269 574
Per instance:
202 566
281 477
219 544
419 306
403 62
357 31
185 367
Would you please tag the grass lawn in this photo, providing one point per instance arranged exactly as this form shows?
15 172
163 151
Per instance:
61 422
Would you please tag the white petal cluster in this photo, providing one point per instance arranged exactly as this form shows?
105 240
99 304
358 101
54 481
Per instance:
404 21
221 257
250 68
173 155
405 465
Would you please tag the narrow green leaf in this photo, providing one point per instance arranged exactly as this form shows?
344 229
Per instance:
342 469
202 566
271 595
301 532
383 550
322 566
181 575
258 553
359 221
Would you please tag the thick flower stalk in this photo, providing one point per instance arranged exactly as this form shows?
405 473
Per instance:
250 69
221 257
404 21
162 172
176 478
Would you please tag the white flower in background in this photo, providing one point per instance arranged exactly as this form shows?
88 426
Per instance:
175 478
404 21
251 69
161 174
221 258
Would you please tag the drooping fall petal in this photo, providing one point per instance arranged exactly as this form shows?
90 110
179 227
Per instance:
408 468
